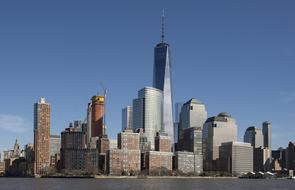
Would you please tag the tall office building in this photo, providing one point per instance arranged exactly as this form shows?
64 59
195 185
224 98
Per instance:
162 81
148 113
54 144
41 136
97 116
236 158
89 111
254 136
127 118
290 156
178 107
217 130
193 114
266 130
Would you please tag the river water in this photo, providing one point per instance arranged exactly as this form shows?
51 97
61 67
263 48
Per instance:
145 184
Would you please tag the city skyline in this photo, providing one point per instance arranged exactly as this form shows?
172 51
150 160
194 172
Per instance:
225 92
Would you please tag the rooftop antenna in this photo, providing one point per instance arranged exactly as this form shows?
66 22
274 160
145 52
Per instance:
163 26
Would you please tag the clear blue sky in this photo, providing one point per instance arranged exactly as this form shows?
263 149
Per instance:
235 56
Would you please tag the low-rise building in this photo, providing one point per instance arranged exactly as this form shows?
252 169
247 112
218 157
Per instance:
188 163
123 162
126 159
158 163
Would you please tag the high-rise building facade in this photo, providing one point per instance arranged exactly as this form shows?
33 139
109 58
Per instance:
162 80
178 107
127 118
217 130
193 114
236 158
267 132
97 116
89 126
290 156
254 136
54 144
41 136
148 113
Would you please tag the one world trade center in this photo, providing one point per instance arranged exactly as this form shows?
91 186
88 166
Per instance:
162 81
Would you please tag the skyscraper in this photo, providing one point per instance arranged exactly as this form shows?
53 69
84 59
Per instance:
41 136
193 114
254 137
127 118
217 130
162 81
148 113
178 107
97 116
236 158
266 130
89 118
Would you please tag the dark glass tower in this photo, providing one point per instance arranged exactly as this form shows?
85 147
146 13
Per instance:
162 81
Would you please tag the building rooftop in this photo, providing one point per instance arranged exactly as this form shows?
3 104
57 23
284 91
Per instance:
193 101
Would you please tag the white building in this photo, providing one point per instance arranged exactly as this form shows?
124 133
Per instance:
148 113
127 120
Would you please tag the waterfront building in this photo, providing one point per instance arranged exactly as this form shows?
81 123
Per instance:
290 156
2 168
190 143
162 80
73 145
158 163
127 115
236 158
42 136
188 163
125 160
267 133
97 116
148 113
217 130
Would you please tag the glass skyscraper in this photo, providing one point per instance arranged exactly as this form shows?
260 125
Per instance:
162 81
148 113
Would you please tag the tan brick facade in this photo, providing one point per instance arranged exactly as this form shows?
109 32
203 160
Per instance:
128 140
42 137
162 143
158 163
123 162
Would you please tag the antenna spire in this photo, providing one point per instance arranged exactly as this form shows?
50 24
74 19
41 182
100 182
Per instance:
163 26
